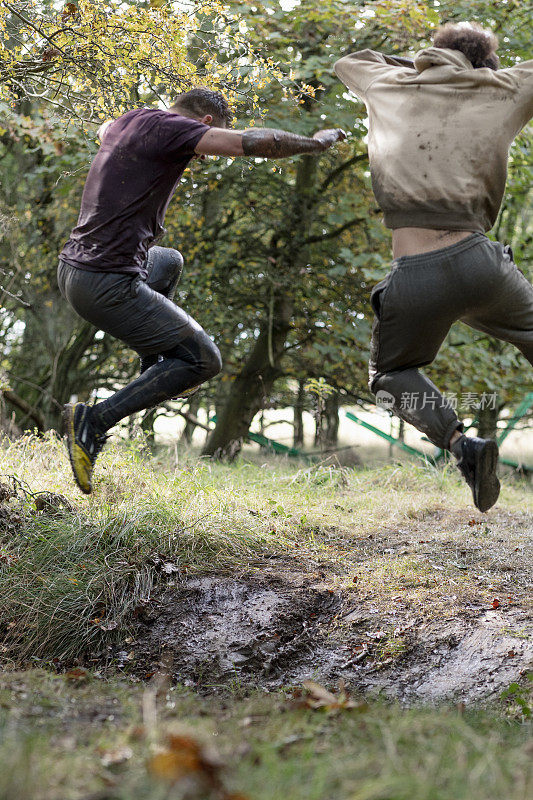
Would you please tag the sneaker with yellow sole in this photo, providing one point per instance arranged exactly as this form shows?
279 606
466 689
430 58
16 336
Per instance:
84 442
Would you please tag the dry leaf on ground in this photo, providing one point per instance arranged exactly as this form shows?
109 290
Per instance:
184 756
318 697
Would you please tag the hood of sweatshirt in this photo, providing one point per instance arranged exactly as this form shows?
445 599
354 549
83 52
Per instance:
441 57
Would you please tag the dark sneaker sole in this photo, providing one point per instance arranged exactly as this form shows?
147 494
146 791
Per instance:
487 485
68 423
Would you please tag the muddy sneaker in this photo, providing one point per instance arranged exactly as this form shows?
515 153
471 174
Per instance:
84 442
478 461
190 392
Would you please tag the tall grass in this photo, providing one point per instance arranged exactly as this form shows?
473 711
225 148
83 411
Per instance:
73 577
74 574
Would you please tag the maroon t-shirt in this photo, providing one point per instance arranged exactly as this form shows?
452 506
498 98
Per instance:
128 189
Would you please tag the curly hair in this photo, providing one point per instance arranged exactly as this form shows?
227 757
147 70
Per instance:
477 44
201 101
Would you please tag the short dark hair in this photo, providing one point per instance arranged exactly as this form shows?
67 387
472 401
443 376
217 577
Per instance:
477 44
201 101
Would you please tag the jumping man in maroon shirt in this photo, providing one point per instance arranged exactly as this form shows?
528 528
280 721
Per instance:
112 279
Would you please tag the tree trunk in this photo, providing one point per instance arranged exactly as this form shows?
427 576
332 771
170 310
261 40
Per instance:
252 387
66 379
401 431
331 421
327 423
190 426
298 439
487 422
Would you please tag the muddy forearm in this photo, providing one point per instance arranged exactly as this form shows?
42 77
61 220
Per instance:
273 143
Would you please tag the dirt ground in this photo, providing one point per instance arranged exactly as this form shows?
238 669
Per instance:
437 609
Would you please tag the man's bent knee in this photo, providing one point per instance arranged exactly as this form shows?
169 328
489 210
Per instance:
201 353
164 266
212 362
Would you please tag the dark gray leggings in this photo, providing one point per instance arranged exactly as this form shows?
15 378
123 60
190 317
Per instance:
475 281
141 314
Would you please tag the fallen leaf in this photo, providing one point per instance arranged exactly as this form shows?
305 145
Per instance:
172 765
109 626
185 757
168 568
52 504
495 603
377 635
318 697
77 675
111 758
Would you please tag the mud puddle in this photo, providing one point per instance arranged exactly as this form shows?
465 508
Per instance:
219 631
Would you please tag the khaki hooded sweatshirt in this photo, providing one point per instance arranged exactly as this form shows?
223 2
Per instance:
439 134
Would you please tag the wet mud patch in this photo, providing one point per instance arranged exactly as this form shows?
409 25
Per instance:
467 658
215 631
436 606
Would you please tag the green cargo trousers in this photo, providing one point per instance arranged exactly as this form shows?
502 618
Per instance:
475 281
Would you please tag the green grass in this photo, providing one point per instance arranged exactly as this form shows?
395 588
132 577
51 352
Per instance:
58 737
71 579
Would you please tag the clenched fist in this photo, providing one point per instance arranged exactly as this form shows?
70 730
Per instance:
329 136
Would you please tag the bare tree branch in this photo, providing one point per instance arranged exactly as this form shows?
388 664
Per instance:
336 173
17 401
335 232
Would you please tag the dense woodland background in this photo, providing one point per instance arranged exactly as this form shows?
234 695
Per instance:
280 257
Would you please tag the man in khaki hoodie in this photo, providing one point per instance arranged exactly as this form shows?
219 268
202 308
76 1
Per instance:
440 128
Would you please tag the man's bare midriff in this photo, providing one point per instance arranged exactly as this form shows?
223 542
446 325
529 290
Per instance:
412 241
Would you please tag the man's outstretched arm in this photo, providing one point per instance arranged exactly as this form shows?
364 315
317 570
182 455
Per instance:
399 61
265 142
359 70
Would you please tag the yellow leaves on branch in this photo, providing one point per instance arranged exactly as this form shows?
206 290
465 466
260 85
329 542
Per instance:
90 56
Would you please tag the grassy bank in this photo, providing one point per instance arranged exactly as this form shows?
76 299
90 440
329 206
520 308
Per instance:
401 541
73 737
75 570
